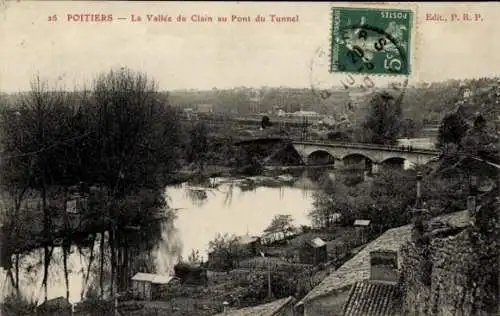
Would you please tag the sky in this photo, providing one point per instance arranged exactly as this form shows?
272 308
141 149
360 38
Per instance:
200 55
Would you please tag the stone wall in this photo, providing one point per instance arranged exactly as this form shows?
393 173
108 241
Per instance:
451 291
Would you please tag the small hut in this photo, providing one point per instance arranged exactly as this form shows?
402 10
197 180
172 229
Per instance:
362 227
313 251
146 285
58 306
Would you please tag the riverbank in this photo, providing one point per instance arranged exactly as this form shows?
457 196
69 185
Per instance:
247 284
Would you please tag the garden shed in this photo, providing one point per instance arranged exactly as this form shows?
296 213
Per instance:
362 229
313 251
145 286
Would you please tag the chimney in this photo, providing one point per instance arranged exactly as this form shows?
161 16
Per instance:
384 266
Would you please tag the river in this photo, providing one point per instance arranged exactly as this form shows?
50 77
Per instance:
233 210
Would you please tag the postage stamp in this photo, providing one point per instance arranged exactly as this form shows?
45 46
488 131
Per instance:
371 41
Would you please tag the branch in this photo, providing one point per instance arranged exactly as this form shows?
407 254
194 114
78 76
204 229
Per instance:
48 147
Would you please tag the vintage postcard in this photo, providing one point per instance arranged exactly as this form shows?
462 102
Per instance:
249 158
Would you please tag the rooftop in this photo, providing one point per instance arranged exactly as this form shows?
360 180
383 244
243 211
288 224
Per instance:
153 278
245 240
358 268
372 298
269 309
316 242
361 222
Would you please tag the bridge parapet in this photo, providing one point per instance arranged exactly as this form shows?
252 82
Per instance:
367 146
375 153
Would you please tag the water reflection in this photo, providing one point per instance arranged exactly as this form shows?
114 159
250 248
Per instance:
241 206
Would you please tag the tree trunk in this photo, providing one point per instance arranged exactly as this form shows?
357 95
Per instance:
126 266
65 263
47 233
113 258
17 276
91 259
45 270
10 275
47 258
101 278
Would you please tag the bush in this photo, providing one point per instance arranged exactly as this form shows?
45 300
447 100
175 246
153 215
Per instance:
190 274
13 305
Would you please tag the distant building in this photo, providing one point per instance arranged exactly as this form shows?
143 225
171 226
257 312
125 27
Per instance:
189 114
309 114
313 251
467 93
205 108
278 235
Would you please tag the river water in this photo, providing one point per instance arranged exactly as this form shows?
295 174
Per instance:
230 206
233 210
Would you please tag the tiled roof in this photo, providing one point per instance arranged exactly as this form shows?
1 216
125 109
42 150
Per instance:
369 298
358 268
269 309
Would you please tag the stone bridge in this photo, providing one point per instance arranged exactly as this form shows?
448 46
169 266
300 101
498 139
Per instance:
372 156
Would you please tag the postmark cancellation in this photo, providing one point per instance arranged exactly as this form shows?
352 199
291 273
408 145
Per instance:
372 41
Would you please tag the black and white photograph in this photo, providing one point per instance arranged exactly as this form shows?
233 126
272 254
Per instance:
249 158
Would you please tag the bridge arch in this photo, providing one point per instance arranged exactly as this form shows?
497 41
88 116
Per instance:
393 163
320 157
357 160
357 156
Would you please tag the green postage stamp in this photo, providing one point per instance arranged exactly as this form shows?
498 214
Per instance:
371 41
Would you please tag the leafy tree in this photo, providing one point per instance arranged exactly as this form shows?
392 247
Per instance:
479 142
29 139
392 192
120 136
332 200
194 257
227 250
199 148
384 118
408 128
483 264
451 131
